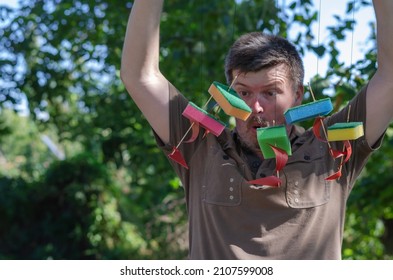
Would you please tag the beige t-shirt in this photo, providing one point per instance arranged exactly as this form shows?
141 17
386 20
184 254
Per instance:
231 219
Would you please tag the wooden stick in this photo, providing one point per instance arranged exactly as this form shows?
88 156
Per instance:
322 124
185 134
348 116
211 96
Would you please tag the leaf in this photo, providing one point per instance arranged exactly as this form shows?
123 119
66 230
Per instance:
320 50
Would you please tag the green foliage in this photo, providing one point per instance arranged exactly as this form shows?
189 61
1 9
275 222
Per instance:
72 213
23 154
4 128
370 215
114 195
77 211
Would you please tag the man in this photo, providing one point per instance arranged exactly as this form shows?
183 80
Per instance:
230 218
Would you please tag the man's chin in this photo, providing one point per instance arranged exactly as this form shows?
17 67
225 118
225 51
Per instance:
250 145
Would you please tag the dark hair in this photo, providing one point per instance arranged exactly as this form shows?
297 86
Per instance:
255 51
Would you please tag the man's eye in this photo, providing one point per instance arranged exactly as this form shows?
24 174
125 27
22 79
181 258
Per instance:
271 93
243 93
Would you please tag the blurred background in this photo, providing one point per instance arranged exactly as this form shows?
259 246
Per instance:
80 174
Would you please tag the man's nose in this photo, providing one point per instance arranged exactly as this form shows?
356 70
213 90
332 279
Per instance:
257 105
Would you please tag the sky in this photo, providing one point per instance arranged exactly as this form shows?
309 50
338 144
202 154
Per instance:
11 3
348 52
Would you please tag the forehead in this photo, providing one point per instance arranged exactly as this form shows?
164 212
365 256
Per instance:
278 74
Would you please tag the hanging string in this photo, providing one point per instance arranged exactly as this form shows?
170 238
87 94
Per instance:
352 39
319 32
275 78
275 103
353 29
200 48
233 39
275 98
276 25
234 22
210 98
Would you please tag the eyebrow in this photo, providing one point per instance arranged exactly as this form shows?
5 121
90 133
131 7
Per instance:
240 84
270 85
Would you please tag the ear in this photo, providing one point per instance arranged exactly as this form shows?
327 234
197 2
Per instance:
299 95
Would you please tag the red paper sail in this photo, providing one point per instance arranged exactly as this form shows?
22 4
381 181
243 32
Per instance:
347 150
316 128
195 133
273 181
334 176
347 153
335 154
177 157
281 158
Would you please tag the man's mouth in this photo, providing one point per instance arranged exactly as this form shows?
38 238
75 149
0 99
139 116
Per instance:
255 127
258 122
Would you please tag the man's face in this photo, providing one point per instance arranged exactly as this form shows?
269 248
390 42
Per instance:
269 93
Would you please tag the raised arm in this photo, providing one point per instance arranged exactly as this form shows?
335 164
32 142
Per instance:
380 89
139 65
